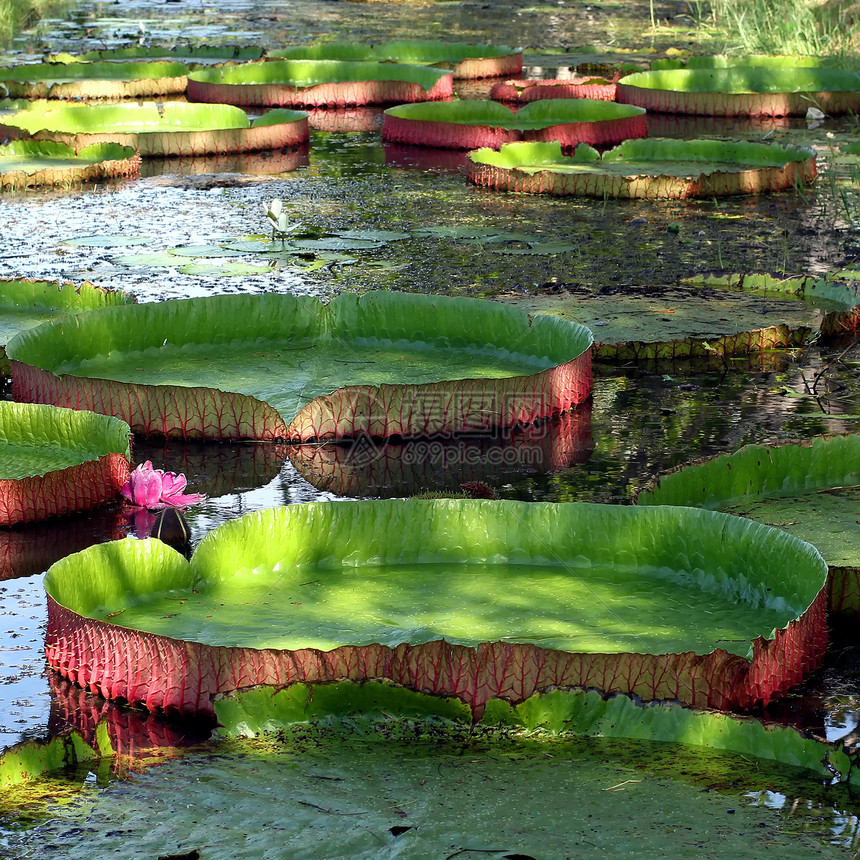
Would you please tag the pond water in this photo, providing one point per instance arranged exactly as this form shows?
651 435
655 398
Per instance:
644 417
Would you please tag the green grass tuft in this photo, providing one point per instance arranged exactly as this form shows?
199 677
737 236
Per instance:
828 28
17 14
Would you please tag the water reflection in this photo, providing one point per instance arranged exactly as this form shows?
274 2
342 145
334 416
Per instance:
367 468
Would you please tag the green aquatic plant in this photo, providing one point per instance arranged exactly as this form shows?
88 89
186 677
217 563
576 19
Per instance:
58 461
278 366
650 168
465 598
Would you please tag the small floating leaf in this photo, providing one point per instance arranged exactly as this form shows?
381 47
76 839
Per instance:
373 235
204 251
335 243
226 269
115 241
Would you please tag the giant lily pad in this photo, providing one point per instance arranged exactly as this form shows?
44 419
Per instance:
550 716
58 461
93 80
704 316
464 598
838 294
653 168
317 83
465 60
472 124
26 303
274 366
29 163
808 489
174 128
764 61
190 55
743 90
522 92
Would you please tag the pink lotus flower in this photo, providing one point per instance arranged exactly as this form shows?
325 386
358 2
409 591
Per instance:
154 489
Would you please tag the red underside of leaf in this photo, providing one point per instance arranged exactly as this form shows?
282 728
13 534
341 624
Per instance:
169 410
183 143
404 410
522 92
339 94
95 89
455 135
473 68
112 169
737 104
448 407
652 187
67 491
841 323
161 673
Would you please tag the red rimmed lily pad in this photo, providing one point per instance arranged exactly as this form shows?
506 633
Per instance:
466 61
523 92
809 489
464 598
743 90
652 168
93 80
171 129
58 461
278 366
190 55
473 124
30 163
319 83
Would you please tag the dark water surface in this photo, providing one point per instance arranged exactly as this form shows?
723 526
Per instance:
645 417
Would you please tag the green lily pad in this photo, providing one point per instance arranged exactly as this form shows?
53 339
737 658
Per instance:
336 590
336 243
28 163
191 56
652 168
155 259
231 270
374 235
203 251
456 232
467 61
744 90
264 366
345 706
683 322
319 82
58 461
809 490
93 80
473 124
548 249
391 785
117 241
27 303
170 129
